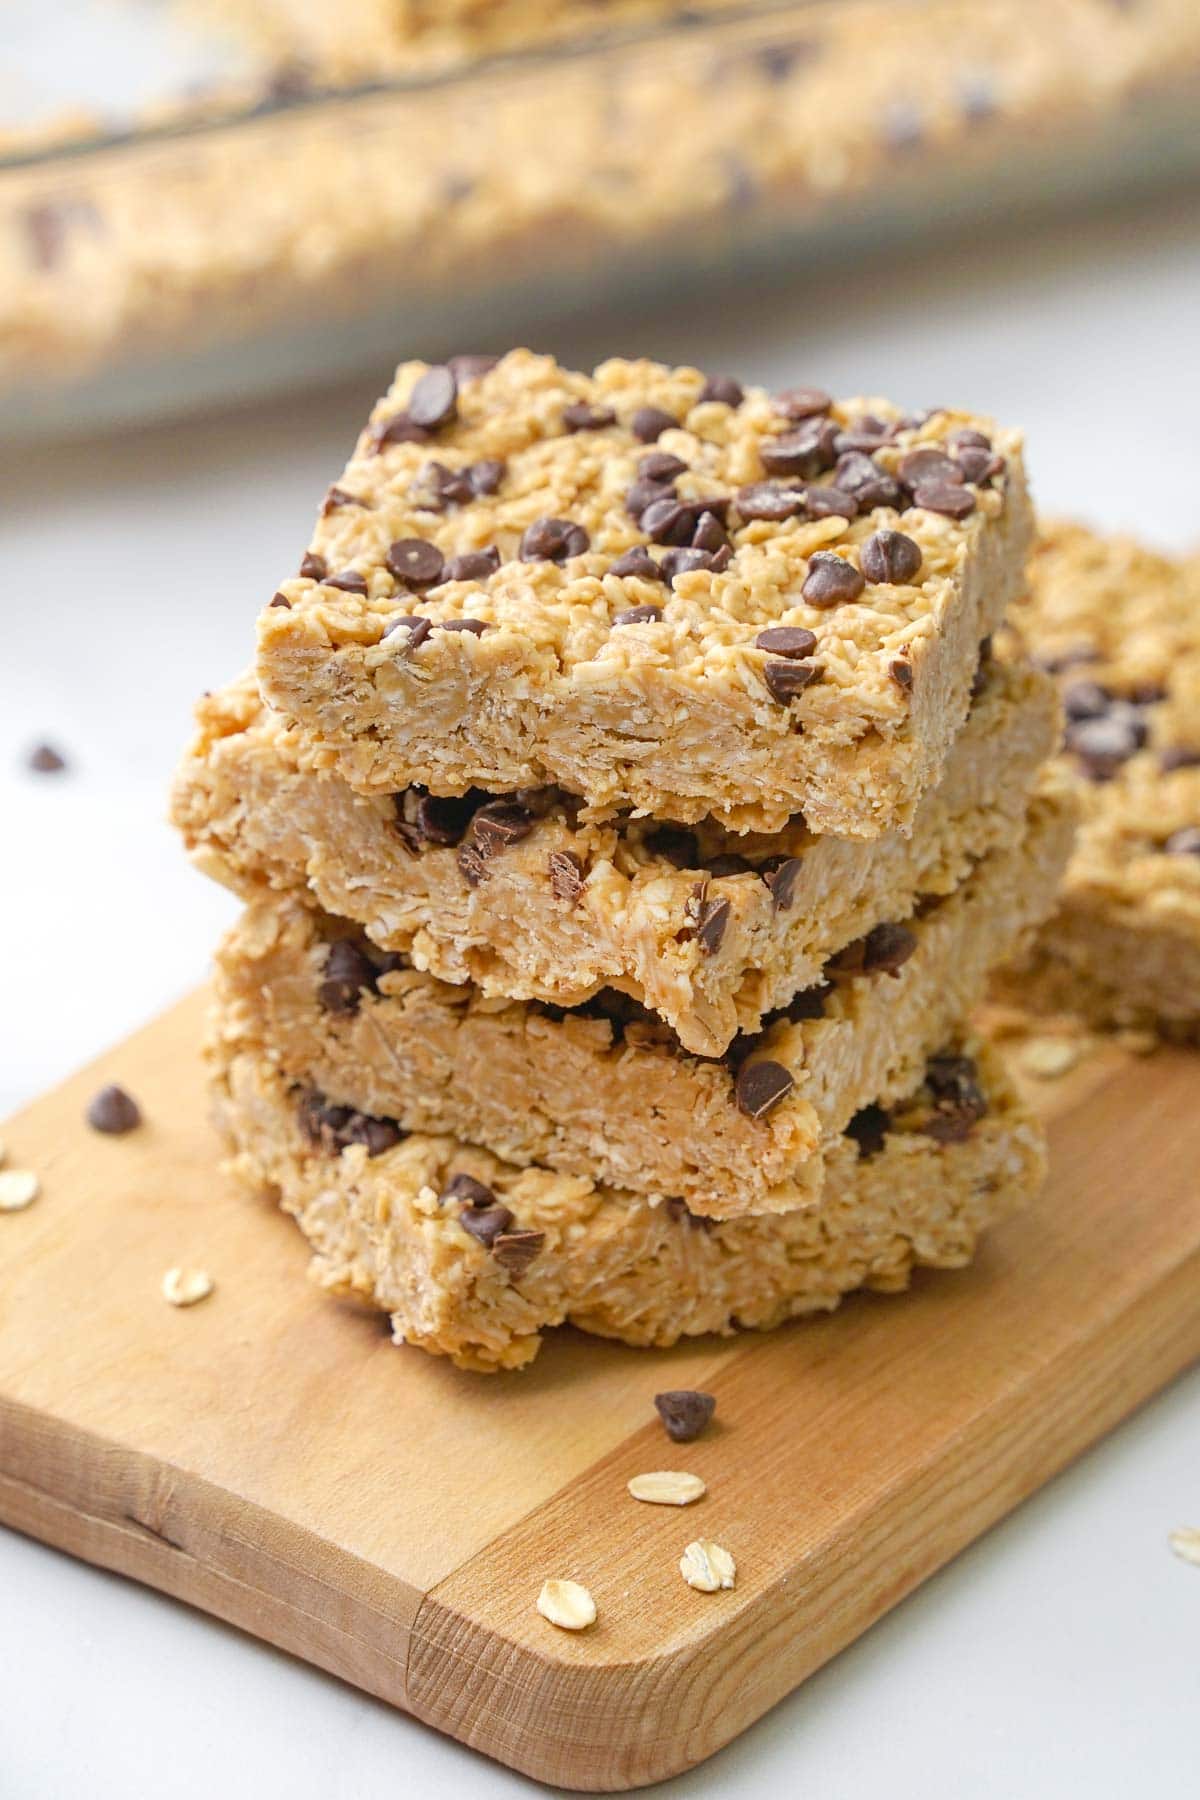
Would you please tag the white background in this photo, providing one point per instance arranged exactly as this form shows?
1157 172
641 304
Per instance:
1061 1655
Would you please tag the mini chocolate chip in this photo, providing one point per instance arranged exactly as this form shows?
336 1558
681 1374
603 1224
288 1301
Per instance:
471 367
770 500
944 497
476 627
762 1085
44 759
869 1128
434 400
901 672
113 1111
685 1412
644 494
685 561
472 865
399 429
281 600
830 503
312 566
553 540
709 534
669 521
787 679
807 452
660 465
674 845
978 466
579 416
443 818
882 951
485 476
1085 700
347 972
377 1134
639 562
787 640
926 464
337 497
1185 842
499 824
870 485
418 630
566 875
966 438
649 422
468 1192
486 1223
802 402
516 1251
724 390
1179 756
415 562
639 615
437 488
711 922
890 557
472 565
781 877
831 580
349 581
959 1101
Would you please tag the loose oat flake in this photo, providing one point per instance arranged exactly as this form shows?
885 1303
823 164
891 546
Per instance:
1185 1542
707 1567
184 1287
667 1487
19 1188
567 1604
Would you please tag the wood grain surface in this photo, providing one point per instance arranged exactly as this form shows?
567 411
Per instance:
268 1455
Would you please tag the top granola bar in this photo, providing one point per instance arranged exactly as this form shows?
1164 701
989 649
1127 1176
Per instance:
657 589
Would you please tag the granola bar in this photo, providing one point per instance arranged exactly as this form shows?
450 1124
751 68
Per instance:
474 1258
1120 627
608 1092
656 592
709 930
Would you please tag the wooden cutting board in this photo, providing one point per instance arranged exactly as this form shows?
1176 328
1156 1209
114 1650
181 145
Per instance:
270 1457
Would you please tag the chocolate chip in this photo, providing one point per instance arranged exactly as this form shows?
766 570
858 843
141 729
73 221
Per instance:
979 466
312 566
660 465
443 818
486 475
472 565
566 875
418 630
1085 700
399 429
802 402
781 877
377 1135
579 416
471 368
1179 756
926 464
674 845
870 485
476 627
515 1251
649 422
724 390
499 824
769 500
437 488
332 1128
901 671
831 580
883 951
711 922
644 494
890 557
760 1086
434 400
959 1101
787 679
686 561
349 581
786 640
553 540
869 1128
809 1003
709 533
830 503
113 1111
807 452
415 562
1185 842
685 1412
639 615
44 759
281 600
944 497
1103 744
486 1223
639 562
337 497
348 971
669 521
472 865
468 1192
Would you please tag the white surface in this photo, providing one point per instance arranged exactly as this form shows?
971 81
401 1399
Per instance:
1059 1656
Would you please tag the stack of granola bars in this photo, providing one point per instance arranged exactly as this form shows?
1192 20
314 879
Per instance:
629 813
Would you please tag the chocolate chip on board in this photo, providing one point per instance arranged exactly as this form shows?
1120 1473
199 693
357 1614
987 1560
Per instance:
113 1111
685 1412
890 557
761 1086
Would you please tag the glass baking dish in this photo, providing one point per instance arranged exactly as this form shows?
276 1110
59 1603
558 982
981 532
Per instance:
272 207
